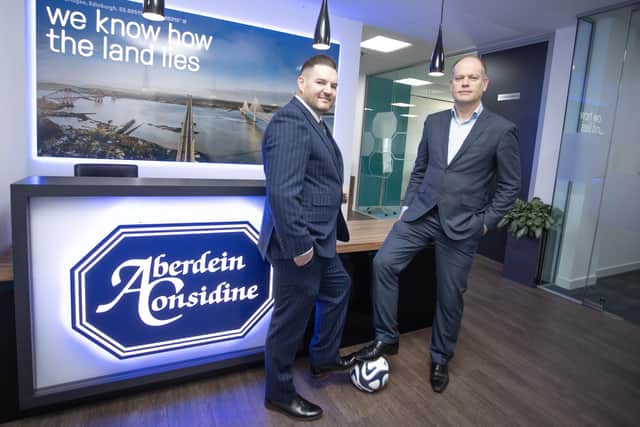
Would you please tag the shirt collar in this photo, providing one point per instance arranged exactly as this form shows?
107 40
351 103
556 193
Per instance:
474 115
313 113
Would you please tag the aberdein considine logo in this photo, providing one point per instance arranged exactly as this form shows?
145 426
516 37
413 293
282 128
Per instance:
151 288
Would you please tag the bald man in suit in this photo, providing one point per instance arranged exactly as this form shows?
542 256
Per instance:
450 202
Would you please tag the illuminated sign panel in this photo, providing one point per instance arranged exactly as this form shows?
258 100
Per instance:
134 288
150 288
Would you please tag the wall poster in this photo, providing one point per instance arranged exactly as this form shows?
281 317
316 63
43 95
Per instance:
113 85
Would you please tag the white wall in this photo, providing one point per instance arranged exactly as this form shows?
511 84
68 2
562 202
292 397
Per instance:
285 15
13 150
544 172
357 133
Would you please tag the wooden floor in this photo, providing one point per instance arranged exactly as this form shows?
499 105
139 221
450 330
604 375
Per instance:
525 357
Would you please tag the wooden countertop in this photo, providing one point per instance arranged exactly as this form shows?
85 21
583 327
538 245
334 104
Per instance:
72 186
6 269
366 235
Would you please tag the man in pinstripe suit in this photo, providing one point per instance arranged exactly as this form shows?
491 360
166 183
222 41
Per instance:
302 220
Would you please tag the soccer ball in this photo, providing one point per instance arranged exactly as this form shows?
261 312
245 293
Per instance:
370 376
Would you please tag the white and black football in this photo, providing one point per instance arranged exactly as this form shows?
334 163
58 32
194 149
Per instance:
370 376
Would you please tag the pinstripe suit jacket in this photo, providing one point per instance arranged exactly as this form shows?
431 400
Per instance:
303 170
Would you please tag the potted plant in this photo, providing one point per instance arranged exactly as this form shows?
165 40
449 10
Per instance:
527 224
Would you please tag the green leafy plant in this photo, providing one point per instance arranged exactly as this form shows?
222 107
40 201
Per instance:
528 219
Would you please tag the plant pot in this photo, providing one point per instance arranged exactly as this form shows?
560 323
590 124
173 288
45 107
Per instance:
521 260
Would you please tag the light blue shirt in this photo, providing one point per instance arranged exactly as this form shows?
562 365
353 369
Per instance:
458 131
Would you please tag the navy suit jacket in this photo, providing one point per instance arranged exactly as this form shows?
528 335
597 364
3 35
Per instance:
462 190
303 169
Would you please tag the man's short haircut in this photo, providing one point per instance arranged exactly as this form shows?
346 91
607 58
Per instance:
319 60
484 66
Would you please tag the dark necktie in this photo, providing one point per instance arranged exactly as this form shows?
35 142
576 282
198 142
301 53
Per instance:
333 144
325 128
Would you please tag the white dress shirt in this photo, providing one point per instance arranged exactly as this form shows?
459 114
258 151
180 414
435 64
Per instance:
313 113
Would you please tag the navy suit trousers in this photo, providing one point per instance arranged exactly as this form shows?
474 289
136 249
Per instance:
453 260
322 282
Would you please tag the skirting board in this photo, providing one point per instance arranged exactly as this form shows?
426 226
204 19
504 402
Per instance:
618 269
579 282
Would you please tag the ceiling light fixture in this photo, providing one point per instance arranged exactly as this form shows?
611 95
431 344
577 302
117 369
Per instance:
402 104
412 82
153 10
384 44
436 66
322 37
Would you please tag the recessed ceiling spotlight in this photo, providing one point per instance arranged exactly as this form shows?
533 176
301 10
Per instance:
412 82
384 44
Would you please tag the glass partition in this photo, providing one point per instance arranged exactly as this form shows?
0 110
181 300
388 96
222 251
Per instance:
593 255
396 104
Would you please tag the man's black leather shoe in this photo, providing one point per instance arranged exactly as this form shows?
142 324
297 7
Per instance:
375 350
299 408
439 377
342 364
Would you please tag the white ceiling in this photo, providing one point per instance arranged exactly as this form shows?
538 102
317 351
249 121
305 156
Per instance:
467 24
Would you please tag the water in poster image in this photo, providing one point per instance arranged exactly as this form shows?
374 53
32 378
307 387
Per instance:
223 135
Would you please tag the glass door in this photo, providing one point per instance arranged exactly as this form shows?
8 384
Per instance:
614 268
593 254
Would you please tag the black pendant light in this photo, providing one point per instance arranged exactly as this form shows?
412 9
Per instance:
436 66
322 37
153 10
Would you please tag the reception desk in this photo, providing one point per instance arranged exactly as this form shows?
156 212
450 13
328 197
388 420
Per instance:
142 281
135 280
